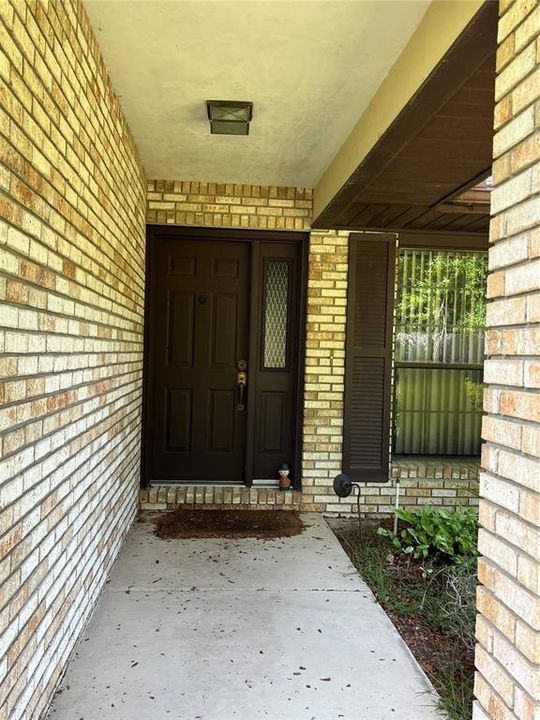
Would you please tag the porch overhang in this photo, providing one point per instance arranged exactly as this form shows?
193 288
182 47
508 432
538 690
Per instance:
426 136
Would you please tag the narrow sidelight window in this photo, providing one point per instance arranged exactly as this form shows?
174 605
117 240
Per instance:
276 304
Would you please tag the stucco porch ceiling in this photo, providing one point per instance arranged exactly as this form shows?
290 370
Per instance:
310 67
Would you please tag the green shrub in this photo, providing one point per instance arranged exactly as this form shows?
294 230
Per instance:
441 534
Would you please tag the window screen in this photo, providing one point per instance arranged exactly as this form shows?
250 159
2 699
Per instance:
440 318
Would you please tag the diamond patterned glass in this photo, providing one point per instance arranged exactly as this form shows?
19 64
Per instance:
276 301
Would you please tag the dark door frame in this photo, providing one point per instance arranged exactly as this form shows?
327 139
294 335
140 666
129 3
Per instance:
254 237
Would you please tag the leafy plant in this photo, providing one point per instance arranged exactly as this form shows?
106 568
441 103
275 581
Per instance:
475 393
437 533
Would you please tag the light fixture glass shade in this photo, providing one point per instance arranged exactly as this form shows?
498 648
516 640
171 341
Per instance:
229 117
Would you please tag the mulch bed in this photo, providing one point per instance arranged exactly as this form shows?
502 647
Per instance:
428 643
263 524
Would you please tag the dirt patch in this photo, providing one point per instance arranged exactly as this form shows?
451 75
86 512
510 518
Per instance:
431 646
263 524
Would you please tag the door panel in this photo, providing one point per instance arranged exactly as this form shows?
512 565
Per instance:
225 322
178 419
220 433
277 359
181 307
273 423
198 331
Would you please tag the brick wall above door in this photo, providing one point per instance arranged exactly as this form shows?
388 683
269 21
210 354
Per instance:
262 207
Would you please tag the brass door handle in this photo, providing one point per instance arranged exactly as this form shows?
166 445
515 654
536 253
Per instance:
241 381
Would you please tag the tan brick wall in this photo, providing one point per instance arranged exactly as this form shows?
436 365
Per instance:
508 630
325 369
181 202
178 202
443 483
450 484
72 202
447 482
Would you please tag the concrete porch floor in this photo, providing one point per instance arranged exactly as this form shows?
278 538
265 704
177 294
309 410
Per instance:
218 629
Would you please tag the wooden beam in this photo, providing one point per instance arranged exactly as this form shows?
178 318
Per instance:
467 55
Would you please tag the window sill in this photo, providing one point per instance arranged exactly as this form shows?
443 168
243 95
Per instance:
431 466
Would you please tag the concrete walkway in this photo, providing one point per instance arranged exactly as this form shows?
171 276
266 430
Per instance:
221 629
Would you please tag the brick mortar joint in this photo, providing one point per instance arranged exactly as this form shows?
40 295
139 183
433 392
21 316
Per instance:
523 658
507 543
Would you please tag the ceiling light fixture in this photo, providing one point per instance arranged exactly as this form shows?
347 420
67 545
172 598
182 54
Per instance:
229 117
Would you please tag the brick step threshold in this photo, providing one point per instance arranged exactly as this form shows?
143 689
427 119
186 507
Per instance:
446 481
167 497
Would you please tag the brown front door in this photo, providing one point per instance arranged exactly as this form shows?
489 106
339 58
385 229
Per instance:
219 304
198 334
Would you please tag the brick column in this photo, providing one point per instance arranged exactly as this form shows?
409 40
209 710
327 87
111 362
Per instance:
325 369
508 650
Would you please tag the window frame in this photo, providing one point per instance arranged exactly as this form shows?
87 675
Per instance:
443 242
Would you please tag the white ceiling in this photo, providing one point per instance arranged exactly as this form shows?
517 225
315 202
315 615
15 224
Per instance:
310 67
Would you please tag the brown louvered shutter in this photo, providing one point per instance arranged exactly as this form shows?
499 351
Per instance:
368 366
